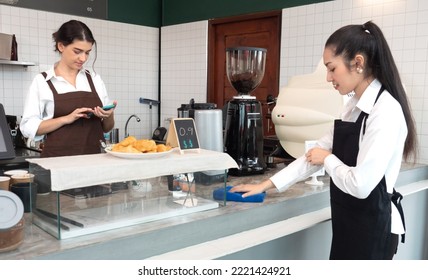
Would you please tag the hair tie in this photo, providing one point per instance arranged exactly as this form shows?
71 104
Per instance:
365 29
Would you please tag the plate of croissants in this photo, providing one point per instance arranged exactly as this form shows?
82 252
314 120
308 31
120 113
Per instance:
133 148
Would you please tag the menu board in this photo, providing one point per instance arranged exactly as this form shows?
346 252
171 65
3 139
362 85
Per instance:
182 134
86 8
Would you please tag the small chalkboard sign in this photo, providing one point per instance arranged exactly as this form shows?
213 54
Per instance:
182 134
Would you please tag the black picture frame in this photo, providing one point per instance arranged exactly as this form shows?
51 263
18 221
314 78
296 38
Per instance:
7 151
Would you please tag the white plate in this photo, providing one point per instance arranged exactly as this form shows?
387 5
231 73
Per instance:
11 210
137 155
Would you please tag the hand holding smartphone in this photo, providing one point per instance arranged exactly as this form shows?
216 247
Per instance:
105 108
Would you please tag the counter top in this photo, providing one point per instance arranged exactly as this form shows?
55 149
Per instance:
160 237
22 154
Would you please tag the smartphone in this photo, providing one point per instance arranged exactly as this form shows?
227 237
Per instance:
108 107
105 108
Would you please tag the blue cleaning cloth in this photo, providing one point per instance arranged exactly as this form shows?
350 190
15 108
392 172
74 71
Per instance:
218 194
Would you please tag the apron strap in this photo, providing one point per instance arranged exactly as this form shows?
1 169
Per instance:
50 84
365 115
88 76
396 198
91 83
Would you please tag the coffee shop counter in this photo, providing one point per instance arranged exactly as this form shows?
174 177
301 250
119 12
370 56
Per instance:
210 234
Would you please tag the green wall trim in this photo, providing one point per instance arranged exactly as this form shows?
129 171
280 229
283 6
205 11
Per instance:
141 12
182 11
157 13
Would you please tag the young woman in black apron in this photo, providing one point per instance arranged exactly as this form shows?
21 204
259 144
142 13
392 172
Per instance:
364 149
64 103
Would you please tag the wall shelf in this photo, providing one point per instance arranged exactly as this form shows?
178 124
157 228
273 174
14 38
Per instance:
17 63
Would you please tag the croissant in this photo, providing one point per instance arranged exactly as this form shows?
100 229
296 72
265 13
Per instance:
131 145
162 148
128 141
145 145
123 149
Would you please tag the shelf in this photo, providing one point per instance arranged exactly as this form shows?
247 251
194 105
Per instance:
17 63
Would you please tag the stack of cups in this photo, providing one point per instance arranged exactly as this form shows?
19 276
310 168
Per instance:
21 183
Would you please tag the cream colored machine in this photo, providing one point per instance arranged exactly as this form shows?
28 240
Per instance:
305 110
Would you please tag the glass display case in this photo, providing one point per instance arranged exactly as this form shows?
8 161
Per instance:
79 195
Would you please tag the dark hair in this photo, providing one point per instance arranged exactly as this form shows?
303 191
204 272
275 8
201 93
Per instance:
73 30
369 41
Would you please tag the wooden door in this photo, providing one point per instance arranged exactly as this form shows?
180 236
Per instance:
256 30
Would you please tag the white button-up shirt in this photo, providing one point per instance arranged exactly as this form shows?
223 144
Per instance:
39 103
380 152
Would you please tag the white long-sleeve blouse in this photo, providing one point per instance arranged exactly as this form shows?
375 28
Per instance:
380 151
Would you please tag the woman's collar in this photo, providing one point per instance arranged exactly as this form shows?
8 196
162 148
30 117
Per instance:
367 99
50 73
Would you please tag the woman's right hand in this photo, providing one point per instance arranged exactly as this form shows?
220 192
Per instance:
77 114
50 125
252 189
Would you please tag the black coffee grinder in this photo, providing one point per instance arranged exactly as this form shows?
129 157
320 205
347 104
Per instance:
243 138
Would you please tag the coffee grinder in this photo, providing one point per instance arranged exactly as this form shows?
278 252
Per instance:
243 138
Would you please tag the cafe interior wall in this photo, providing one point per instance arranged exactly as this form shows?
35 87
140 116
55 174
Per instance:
126 58
304 32
128 54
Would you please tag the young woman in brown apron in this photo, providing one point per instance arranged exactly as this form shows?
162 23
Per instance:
83 135
63 104
364 149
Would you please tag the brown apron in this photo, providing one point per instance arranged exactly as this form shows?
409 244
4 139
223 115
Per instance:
361 227
80 137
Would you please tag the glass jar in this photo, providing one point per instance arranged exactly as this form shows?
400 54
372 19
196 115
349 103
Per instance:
11 238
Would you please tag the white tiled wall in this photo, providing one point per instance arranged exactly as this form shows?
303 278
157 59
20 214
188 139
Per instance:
184 66
304 32
127 60
128 54
404 24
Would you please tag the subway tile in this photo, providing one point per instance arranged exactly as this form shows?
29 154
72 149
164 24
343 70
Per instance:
128 54
34 33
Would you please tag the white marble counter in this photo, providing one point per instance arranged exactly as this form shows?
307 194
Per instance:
153 239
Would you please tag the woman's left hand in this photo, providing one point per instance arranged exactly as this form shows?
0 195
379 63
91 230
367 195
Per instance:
104 114
317 155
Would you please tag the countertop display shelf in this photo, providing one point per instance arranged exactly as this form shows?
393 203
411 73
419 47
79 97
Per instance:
80 195
17 63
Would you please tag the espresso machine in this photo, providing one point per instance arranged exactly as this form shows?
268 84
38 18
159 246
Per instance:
243 137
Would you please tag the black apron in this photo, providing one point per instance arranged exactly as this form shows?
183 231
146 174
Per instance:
80 137
361 227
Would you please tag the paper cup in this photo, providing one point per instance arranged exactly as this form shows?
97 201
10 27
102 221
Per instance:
15 172
4 183
22 178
